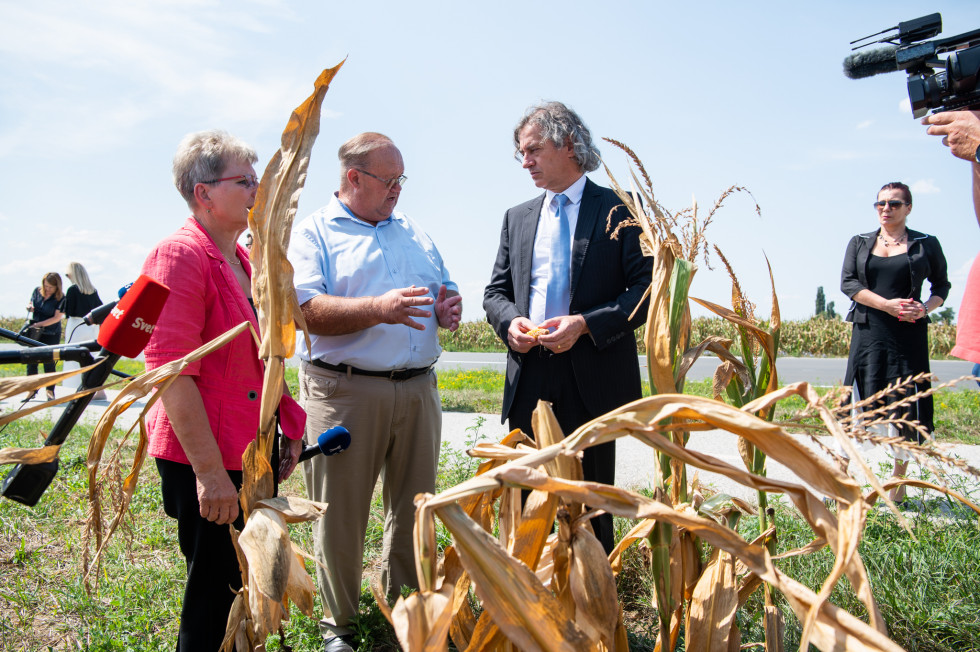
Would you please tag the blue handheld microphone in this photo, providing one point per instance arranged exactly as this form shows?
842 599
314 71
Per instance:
330 442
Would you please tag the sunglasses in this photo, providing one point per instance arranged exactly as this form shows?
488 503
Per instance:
891 203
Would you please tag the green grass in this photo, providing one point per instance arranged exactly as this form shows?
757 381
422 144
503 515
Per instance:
43 601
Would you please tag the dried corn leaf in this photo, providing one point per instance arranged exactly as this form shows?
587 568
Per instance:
236 629
29 455
688 553
775 625
723 375
764 337
271 219
746 451
258 481
711 612
593 588
639 532
720 346
20 384
422 620
265 543
658 341
464 620
921 484
527 613
529 548
299 586
294 509
548 432
13 385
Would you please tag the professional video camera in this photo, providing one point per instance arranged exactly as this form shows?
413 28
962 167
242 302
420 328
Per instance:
953 88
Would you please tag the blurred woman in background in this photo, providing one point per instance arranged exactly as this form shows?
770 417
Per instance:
80 299
45 320
883 274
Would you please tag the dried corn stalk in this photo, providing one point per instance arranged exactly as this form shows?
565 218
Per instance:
272 564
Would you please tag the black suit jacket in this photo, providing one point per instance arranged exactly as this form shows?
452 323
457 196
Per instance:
608 280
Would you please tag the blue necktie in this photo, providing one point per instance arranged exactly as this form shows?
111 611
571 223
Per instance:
557 298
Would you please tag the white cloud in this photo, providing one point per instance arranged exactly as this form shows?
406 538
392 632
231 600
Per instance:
924 187
865 124
98 78
905 106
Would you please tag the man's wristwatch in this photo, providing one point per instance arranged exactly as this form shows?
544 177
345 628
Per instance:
976 156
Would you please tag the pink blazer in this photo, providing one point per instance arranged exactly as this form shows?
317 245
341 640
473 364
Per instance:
205 301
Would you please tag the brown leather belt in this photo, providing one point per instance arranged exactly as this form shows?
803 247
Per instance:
394 374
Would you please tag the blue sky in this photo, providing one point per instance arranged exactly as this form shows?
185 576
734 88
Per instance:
95 96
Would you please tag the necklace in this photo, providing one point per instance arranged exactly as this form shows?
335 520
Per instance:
231 262
894 243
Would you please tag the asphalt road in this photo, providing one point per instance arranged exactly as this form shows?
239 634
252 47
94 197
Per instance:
818 371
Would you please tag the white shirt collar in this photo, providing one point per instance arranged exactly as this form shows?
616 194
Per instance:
573 192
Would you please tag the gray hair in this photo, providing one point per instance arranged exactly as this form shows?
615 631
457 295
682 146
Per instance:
560 124
203 156
80 278
355 152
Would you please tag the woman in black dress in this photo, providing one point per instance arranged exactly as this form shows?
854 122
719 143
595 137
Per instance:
883 274
45 307
81 297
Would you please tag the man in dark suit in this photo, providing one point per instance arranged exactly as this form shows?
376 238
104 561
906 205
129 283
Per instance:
558 269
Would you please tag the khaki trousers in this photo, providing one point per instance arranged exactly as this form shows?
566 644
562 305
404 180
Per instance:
395 427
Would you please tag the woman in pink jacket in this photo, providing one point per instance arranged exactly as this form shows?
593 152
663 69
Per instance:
203 423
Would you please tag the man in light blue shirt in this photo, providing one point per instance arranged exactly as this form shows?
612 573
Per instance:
374 291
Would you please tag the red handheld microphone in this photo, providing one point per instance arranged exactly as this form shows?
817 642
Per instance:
129 326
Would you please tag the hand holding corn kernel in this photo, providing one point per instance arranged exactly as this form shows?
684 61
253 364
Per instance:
563 332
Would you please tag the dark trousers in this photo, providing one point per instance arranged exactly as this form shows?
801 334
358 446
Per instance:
549 378
49 367
213 575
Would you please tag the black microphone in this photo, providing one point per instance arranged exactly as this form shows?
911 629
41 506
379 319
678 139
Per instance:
98 315
332 441
869 63
41 354
126 334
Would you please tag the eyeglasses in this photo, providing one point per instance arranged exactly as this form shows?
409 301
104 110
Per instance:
244 180
400 179
891 203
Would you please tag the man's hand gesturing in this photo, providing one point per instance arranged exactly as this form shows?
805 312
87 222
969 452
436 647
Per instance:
449 309
398 306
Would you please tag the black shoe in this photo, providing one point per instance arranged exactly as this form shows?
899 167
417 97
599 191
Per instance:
339 644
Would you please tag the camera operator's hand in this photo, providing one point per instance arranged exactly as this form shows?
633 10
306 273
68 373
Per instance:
960 131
